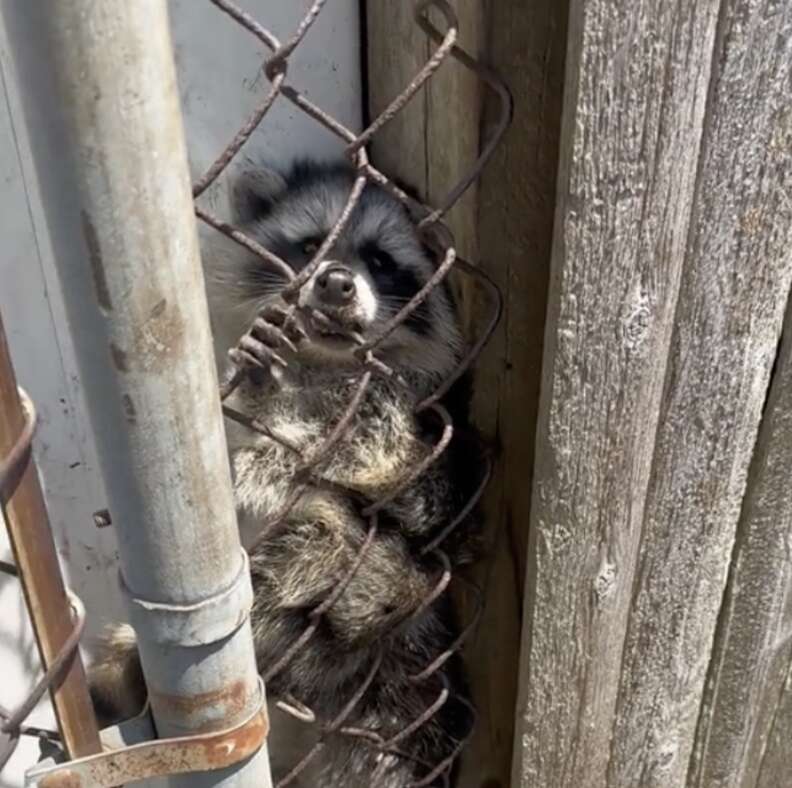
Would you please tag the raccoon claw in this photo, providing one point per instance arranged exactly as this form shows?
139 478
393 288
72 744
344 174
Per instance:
275 328
271 335
242 359
274 316
258 373
260 354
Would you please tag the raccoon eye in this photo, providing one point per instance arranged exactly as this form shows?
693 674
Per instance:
310 244
376 257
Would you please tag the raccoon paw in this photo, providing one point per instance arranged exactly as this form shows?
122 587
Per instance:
273 331
115 678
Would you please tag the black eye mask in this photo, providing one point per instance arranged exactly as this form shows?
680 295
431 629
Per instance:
397 282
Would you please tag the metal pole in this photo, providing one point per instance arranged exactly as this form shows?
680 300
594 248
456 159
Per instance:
39 572
99 87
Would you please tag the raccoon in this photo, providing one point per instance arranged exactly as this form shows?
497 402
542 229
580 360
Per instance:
304 518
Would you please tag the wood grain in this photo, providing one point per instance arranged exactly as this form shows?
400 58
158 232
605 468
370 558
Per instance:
776 765
433 141
397 49
526 44
634 102
743 737
734 289
753 645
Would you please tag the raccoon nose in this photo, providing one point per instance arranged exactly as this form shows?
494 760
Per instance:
335 286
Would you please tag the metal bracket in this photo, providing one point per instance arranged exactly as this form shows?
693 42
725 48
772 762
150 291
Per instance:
158 758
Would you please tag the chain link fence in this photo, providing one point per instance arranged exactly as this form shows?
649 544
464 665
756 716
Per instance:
437 237
13 467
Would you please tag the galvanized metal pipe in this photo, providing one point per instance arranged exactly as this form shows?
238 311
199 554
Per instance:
99 88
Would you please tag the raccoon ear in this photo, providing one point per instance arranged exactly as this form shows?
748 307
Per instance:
254 192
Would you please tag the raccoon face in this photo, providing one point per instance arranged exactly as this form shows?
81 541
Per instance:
375 267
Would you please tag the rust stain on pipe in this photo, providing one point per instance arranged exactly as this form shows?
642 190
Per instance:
159 339
97 266
231 699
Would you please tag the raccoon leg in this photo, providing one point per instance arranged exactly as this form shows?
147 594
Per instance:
115 678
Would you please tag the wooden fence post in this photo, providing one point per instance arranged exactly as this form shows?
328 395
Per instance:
732 298
435 138
777 755
665 312
743 701
636 88
743 738
526 44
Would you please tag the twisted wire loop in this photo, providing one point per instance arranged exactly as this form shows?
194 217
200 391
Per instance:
439 239
14 464
12 723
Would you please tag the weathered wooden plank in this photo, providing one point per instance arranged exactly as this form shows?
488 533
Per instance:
432 142
636 87
753 644
728 319
526 44
397 48
453 112
776 765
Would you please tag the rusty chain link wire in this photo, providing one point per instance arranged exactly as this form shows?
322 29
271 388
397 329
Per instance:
437 236
12 723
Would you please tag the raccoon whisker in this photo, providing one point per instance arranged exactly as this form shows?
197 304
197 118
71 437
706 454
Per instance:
250 305
266 295
395 299
261 285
